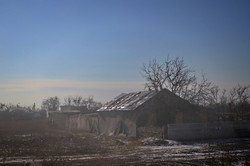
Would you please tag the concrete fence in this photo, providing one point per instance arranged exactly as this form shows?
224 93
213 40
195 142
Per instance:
150 131
198 131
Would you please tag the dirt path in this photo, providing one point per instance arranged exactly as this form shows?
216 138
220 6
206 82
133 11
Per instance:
91 149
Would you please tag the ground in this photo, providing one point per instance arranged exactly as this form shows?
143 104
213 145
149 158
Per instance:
81 148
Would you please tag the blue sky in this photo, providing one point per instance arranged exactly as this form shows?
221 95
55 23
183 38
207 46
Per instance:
80 47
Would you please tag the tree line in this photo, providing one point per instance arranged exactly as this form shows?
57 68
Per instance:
17 112
53 103
176 76
10 111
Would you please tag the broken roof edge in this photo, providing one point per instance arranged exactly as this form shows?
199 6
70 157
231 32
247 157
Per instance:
128 101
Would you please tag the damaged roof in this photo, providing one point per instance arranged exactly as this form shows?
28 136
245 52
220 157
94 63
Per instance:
128 101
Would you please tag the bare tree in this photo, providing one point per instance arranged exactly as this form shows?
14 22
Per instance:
223 97
239 94
179 78
223 101
88 102
178 75
155 75
91 104
200 92
77 100
239 101
74 101
2 105
214 95
51 104
68 100
243 93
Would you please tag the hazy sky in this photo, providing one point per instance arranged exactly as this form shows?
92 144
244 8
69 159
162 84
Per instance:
80 47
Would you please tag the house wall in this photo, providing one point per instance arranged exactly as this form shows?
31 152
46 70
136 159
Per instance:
106 123
74 121
58 120
196 131
166 108
85 122
117 124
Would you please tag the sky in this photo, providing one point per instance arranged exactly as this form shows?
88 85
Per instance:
97 48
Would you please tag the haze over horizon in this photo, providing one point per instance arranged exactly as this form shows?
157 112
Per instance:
93 47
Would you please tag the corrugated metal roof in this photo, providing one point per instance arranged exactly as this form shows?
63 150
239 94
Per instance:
128 101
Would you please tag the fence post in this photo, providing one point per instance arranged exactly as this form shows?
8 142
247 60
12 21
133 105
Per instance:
165 132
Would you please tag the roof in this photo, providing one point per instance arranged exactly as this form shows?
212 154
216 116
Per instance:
128 101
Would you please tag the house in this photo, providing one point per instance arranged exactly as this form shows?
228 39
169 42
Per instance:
149 114
145 113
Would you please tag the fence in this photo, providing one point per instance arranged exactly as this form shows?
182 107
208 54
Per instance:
196 131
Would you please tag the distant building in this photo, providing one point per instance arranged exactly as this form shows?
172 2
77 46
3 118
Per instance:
74 108
143 113
149 114
69 117
139 113
61 119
